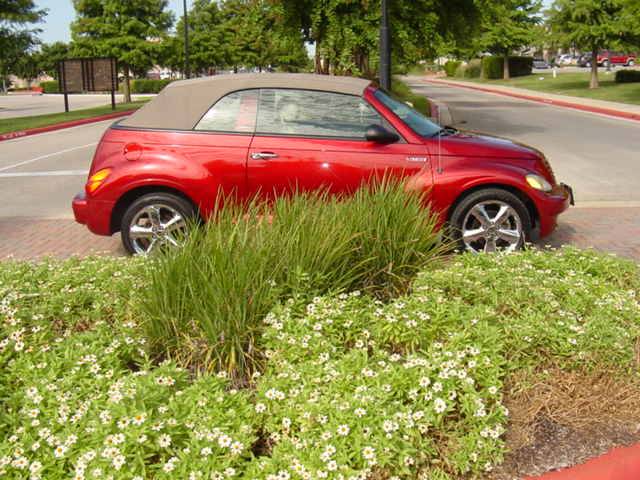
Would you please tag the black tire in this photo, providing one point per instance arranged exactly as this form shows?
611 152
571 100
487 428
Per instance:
182 206
486 195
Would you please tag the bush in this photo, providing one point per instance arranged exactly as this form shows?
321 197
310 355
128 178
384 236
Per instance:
50 86
627 76
451 66
206 301
145 85
518 67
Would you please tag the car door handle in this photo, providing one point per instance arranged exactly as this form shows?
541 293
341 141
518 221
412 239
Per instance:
263 155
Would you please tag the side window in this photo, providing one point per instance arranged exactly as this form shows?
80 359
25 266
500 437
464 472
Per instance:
234 113
312 113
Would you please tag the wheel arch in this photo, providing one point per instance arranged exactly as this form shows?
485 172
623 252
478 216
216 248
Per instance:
135 193
531 207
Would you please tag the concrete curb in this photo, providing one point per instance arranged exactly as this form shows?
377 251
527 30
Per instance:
619 464
60 126
547 101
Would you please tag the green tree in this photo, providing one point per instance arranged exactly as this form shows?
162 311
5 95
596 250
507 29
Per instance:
16 39
50 55
346 32
591 25
132 31
508 25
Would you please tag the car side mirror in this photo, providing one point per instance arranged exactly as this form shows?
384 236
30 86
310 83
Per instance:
379 134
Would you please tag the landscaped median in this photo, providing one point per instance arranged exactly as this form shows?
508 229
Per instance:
330 340
23 126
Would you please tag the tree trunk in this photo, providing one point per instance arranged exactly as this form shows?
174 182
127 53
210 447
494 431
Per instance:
506 73
318 58
481 67
594 69
127 85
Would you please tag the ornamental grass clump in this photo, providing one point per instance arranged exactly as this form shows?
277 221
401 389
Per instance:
205 302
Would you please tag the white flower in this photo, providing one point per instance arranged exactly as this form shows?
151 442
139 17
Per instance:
343 430
164 440
439 405
260 407
59 451
360 412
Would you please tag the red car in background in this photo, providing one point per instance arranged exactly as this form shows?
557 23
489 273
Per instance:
616 58
274 134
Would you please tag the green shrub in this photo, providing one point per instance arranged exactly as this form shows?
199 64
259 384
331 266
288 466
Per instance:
451 66
209 297
518 66
473 69
50 86
627 76
145 85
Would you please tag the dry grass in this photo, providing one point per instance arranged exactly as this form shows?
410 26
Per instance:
560 418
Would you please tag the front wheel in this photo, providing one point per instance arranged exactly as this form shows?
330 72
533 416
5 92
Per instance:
491 220
631 63
155 221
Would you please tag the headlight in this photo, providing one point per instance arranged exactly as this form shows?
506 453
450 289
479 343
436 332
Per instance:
538 182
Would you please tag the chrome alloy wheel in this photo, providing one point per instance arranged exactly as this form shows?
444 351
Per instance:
492 226
155 226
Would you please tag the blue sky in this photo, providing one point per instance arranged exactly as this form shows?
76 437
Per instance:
61 13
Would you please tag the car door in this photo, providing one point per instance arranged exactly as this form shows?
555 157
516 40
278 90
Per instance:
309 140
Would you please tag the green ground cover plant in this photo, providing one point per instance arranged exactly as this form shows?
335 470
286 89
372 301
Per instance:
353 386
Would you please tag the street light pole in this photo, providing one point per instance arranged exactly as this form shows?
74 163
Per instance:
187 73
385 49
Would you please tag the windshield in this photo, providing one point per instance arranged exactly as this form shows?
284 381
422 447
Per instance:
414 119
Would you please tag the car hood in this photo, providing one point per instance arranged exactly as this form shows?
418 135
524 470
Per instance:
470 144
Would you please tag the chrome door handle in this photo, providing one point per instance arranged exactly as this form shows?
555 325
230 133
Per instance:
263 155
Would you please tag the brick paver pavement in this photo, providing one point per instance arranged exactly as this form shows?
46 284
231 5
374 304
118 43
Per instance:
615 230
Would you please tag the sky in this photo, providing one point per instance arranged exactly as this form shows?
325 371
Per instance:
61 13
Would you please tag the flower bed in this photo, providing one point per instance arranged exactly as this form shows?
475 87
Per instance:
351 388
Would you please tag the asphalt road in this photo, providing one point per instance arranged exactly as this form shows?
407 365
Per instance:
39 175
26 105
598 156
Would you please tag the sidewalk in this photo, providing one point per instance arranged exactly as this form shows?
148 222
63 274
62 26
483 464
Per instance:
614 230
615 109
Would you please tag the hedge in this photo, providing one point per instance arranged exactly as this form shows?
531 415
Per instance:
518 67
145 85
50 86
627 76
450 67
469 70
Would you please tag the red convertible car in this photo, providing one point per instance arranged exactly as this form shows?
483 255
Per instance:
272 134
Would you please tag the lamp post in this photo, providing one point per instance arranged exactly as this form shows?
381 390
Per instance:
187 73
385 49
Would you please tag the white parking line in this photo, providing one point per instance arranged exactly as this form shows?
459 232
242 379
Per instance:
51 173
42 157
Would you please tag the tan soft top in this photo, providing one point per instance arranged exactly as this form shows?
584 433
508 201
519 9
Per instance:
183 103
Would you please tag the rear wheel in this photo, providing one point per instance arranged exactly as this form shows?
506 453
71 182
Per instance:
491 220
155 221
631 63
